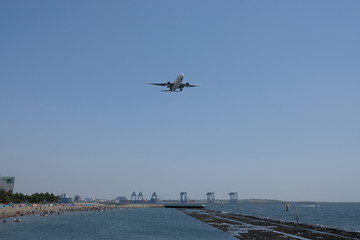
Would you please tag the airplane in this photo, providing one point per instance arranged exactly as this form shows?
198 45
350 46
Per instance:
175 85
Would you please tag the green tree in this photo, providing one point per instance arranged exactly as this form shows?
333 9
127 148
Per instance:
8 196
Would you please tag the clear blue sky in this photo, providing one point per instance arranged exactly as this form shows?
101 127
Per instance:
277 113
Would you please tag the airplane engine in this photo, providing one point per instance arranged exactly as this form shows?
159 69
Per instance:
187 84
168 84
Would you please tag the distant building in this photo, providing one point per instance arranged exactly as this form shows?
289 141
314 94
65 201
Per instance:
121 199
77 198
7 183
63 195
66 200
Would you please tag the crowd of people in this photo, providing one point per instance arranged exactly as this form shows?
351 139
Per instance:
19 210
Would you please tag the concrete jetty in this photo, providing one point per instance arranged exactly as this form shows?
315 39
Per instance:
184 205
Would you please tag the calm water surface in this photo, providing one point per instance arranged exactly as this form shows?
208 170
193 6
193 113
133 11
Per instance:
340 215
160 223
126 224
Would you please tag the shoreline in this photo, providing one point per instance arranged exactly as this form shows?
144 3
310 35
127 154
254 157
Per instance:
19 210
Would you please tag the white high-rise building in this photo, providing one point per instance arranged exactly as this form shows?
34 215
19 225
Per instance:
7 183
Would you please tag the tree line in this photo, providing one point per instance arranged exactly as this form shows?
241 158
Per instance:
10 197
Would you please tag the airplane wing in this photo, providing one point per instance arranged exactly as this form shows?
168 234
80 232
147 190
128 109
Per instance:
158 84
188 85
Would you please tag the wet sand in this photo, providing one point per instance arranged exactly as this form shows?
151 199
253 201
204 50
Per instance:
250 227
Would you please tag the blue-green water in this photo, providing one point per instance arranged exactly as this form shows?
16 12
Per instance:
159 223
126 224
344 216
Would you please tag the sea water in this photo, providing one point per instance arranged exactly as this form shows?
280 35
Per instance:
159 223
344 216
136 223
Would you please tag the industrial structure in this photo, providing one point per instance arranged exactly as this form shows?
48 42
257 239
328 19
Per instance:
140 197
210 197
121 199
154 198
133 197
7 183
183 197
233 197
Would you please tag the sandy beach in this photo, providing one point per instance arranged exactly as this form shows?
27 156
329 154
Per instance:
23 210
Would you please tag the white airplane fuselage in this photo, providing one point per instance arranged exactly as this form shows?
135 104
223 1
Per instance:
177 82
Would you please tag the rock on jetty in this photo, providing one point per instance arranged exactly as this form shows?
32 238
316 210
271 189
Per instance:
250 227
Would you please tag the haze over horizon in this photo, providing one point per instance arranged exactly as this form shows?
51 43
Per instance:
276 115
